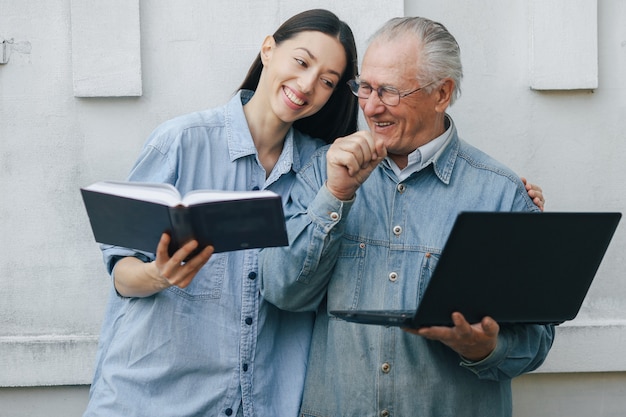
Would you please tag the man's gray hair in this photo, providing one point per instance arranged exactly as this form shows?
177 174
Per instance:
440 55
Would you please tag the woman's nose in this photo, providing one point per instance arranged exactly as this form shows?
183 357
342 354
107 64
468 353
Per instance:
306 82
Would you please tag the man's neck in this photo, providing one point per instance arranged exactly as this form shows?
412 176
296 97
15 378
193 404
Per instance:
403 160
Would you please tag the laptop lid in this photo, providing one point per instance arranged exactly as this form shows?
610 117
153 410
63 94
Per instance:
514 267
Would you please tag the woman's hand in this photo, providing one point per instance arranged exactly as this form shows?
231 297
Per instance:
176 270
135 278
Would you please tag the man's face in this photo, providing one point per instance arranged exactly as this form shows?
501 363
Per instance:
419 117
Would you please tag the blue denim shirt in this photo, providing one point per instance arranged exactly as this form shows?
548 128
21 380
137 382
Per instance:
378 252
205 349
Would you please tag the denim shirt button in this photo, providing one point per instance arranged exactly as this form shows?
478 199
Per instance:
334 216
228 411
397 230
245 367
248 320
401 188
393 276
252 275
386 367
385 413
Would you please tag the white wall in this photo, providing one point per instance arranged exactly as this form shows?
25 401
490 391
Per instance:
194 53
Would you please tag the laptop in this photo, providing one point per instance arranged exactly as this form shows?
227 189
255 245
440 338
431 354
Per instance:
524 268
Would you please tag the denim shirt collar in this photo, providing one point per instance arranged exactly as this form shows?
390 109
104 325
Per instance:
240 143
444 159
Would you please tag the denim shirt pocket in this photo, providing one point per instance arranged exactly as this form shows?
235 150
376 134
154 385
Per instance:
429 263
207 284
308 414
347 282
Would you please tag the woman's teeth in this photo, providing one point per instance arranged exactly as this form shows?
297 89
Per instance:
294 99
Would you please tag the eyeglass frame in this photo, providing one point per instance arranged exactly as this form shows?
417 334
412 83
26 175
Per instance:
356 83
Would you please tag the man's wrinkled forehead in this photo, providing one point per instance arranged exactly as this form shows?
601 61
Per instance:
389 62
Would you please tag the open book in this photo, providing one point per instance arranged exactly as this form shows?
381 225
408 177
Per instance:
134 215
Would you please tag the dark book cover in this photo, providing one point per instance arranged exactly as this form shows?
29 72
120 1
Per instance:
227 225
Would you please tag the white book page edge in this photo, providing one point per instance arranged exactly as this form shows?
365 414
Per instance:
160 193
208 196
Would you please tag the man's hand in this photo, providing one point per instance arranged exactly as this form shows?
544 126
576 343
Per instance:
535 193
472 341
350 160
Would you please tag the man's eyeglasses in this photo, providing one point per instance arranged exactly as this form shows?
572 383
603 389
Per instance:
388 95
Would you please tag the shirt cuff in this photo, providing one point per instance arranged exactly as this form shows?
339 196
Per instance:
492 360
326 210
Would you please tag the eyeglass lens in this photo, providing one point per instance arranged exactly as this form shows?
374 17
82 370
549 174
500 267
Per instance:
387 95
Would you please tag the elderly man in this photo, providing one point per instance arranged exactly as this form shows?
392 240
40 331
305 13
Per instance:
368 219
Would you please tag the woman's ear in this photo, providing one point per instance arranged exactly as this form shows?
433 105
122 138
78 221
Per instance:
267 48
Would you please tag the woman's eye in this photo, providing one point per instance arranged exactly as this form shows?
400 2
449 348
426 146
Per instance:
300 62
329 83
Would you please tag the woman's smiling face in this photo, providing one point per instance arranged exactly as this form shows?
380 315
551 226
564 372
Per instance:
301 73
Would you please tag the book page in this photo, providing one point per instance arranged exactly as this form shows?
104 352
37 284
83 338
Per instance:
153 192
207 196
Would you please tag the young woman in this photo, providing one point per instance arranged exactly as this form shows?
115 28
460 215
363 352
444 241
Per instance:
196 338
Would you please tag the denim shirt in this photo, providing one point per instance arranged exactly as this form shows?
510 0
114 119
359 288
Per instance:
378 251
206 349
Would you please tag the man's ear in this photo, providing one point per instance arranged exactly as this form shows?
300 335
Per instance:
267 48
444 94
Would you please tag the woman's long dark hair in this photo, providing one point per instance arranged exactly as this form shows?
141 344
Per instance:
338 117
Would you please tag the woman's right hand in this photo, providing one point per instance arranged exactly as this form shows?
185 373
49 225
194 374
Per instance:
134 278
175 270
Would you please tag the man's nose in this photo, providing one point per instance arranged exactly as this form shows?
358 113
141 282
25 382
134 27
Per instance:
372 105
